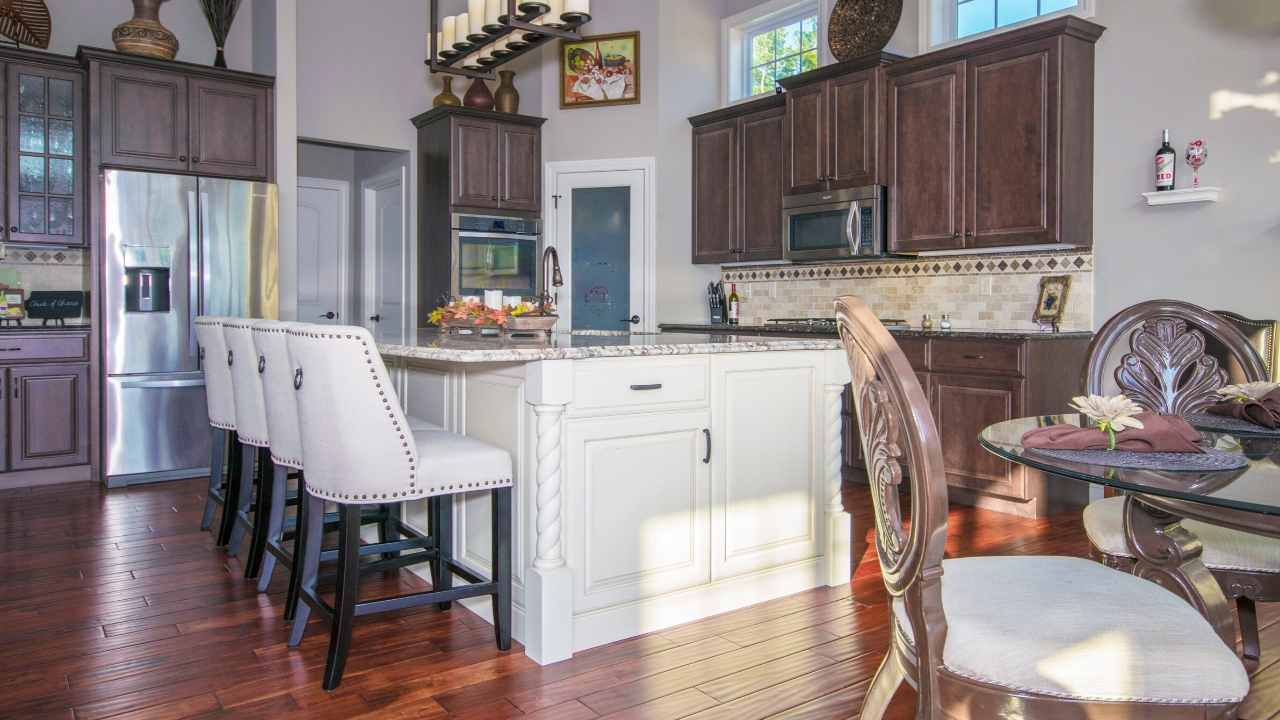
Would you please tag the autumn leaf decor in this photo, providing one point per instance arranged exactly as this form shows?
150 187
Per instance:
470 311
25 22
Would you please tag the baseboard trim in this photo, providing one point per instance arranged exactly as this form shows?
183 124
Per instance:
45 476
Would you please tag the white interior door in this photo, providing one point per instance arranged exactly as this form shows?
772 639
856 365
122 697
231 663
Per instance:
601 227
323 238
385 220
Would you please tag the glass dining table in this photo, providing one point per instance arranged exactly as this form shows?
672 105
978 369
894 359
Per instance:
1246 498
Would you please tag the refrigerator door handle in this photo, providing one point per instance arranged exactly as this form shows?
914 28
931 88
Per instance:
193 263
158 384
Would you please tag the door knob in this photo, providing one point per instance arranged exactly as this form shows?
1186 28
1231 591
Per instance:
634 320
329 315
376 318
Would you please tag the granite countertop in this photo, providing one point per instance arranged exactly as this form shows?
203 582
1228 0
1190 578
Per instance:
908 330
431 344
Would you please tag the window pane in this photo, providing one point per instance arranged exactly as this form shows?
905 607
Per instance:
1049 6
809 32
30 214
975 16
61 221
31 94
788 66
60 97
31 134
31 174
789 40
809 61
61 176
761 48
61 138
761 79
1012 11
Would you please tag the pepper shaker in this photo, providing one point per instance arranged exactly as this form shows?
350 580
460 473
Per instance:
926 322
946 322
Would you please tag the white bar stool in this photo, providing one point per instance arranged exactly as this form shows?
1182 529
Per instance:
358 449
255 443
222 423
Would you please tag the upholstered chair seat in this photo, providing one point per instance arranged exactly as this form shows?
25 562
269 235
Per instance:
1071 628
1224 548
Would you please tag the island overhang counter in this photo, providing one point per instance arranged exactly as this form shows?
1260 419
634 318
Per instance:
660 478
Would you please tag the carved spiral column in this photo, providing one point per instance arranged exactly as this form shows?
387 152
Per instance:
834 425
548 498
1169 555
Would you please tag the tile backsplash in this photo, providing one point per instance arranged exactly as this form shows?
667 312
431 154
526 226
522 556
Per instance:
45 269
988 291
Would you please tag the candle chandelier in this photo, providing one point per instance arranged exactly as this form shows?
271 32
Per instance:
494 32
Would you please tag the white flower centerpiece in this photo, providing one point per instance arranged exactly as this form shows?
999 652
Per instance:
1110 414
1246 392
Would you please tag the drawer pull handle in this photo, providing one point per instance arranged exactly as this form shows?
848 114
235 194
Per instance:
651 386
10 349
974 357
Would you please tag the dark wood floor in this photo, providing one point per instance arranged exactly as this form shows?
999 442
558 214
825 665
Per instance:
113 604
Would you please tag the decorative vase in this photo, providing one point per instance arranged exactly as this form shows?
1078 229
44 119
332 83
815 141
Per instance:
143 34
446 96
506 99
478 96
859 27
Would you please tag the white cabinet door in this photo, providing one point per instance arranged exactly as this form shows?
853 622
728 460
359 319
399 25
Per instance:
766 411
638 516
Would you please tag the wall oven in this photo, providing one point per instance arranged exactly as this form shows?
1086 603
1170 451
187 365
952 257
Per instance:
834 225
495 253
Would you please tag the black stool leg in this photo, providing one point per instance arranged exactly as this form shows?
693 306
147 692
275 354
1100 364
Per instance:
230 498
502 567
217 459
299 536
310 537
344 601
387 529
443 533
244 498
275 523
261 526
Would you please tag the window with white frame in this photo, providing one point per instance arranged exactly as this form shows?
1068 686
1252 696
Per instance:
946 21
772 41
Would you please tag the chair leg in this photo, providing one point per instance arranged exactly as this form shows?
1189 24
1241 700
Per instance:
433 521
244 499
882 688
502 567
310 537
1250 643
231 498
443 533
261 524
275 523
217 455
344 602
295 567
387 531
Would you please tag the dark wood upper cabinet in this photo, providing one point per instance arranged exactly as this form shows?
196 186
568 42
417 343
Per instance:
760 206
143 118
806 149
45 157
226 120
48 415
715 191
474 163
853 104
181 117
924 157
521 167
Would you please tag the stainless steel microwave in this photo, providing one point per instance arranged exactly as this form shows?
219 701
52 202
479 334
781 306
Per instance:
834 225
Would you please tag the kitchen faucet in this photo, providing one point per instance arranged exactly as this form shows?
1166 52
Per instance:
556 279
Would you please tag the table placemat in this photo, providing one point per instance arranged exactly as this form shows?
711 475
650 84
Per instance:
1228 424
1210 460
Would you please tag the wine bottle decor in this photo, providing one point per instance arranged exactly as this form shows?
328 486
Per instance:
1197 154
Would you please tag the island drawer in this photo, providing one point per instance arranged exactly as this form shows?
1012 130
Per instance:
635 382
985 356
43 346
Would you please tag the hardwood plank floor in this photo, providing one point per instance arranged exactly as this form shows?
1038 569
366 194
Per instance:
114 605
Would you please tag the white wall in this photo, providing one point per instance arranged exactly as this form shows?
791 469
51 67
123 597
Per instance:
78 22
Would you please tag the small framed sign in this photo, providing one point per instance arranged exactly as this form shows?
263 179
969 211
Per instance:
1051 306
11 308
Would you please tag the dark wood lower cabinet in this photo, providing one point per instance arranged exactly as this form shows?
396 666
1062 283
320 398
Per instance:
48 417
964 405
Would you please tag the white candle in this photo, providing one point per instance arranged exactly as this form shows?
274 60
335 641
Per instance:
486 52
447 29
577 6
464 27
491 11
557 8
475 12
493 299
439 44
501 43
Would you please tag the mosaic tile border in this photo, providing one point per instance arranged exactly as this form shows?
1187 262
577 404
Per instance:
32 256
986 264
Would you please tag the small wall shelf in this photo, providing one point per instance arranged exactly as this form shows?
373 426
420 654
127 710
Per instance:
1186 195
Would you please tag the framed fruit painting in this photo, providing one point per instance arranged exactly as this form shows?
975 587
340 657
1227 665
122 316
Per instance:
600 70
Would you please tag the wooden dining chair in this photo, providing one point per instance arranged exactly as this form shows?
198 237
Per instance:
985 637
1161 354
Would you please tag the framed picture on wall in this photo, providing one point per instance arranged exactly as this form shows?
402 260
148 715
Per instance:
600 70
1051 306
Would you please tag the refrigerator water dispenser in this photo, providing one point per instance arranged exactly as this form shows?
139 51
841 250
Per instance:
146 279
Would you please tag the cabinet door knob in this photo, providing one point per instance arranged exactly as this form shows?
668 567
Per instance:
195 159
182 158
13 228
968 233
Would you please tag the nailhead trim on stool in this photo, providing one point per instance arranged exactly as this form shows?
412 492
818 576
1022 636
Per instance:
220 401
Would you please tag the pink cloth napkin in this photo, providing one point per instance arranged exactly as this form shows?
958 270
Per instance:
1159 433
1264 411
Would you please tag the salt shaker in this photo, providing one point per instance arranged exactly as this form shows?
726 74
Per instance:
945 324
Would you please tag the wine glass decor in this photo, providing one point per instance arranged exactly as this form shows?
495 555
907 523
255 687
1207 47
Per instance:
1197 154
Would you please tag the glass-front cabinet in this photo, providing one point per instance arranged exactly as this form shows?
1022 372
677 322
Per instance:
44 158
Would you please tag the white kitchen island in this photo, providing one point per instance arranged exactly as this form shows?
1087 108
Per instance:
660 478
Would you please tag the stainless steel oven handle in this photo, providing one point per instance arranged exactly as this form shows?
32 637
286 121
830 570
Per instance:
499 236
855 238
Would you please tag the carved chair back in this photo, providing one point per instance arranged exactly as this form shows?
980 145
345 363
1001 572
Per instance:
897 428
1156 352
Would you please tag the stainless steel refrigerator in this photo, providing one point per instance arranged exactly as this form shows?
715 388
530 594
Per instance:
174 247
